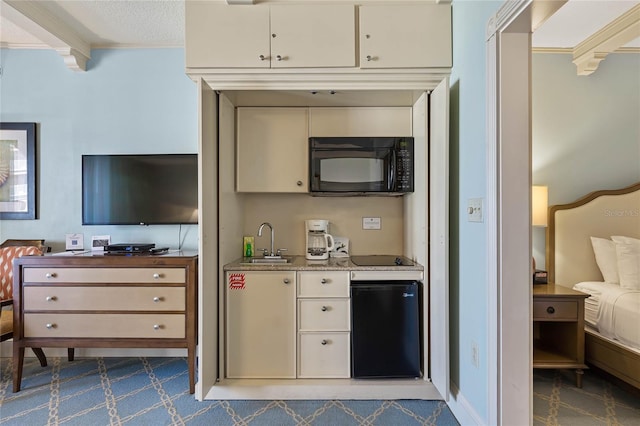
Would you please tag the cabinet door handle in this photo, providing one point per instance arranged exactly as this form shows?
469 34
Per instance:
324 342
299 183
324 309
286 280
369 58
279 57
51 298
262 58
50 275
324 281
551 310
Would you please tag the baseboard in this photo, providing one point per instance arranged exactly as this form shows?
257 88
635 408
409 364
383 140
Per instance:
462 410
6 351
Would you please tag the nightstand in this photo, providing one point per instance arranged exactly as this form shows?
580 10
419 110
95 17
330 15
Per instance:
558 328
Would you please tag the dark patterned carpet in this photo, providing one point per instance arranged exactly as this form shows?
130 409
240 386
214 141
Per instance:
154 391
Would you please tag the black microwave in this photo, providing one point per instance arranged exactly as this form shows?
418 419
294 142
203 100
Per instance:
360 165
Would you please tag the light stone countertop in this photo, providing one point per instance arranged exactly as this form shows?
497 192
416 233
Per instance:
300 263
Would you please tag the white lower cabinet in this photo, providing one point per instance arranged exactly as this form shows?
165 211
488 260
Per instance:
324 321
261 324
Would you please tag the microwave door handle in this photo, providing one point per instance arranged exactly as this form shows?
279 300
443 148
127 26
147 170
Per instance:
392 172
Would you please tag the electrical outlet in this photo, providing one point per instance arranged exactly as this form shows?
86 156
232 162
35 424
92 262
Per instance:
475 356
474 210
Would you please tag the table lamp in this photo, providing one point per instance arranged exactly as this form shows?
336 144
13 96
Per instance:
539 204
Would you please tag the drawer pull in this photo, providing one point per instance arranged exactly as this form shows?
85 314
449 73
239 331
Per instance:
324 309
158 299
324 281
157 326
551 310
286 280
50 326
324 342
157 276
51 298
50 275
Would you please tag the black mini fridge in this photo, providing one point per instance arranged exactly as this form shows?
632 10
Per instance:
385 329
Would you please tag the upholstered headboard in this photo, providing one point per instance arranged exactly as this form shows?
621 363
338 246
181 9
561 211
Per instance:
570 257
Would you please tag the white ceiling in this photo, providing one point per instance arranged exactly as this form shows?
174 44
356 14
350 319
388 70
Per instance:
160 23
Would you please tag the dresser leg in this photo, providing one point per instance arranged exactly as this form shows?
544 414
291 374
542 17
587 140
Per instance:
41 357
70 354
579 374
18 359
191 360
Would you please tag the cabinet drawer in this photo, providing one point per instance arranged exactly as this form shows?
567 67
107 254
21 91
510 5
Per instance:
324 355
168 326
555 310
323 315
323 284
56 298
105 275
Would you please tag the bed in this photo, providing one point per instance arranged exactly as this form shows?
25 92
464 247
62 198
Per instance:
612 312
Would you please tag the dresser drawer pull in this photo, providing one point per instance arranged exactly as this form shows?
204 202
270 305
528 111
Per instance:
551 310
50 326
157 326
50 275
158 299
51 298
324 342
324 281
324 309
157 276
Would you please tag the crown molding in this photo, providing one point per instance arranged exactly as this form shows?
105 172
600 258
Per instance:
588 54
33 18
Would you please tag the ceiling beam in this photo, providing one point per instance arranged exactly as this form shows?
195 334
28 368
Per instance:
588 54
39 22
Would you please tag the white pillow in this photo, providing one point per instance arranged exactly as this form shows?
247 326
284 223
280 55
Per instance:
606 258
628 253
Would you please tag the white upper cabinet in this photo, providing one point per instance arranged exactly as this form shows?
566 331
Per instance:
272 150
405 35
278 36
221 36
313 36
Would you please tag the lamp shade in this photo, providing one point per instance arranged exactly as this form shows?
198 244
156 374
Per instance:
539 203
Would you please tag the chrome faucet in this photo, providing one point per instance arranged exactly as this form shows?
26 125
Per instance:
271 253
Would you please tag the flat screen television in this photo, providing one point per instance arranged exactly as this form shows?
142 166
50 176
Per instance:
149 189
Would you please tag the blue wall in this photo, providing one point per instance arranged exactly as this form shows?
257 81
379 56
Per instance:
469 289
128 101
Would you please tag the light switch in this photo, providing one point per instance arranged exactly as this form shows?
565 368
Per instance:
474 210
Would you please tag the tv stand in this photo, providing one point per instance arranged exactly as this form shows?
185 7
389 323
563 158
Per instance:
96 301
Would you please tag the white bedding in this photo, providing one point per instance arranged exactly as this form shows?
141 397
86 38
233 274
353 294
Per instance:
613 311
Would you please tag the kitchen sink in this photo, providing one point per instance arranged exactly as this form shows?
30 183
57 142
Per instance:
267 260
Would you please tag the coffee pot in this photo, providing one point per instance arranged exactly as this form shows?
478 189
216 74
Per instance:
319 241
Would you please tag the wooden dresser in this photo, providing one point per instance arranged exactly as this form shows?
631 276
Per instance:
105 301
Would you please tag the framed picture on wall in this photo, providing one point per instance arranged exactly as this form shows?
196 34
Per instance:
17 170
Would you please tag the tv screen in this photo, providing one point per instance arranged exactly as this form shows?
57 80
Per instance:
139 189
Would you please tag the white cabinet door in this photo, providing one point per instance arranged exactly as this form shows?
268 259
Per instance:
222 36
313 36
272 151
259 36
261 324
361 121
405 36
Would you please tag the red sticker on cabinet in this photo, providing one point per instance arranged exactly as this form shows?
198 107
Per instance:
236 281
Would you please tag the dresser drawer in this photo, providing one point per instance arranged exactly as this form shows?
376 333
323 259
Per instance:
104 275
555 310
323 315
323 284
324 355
169 326
102 298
